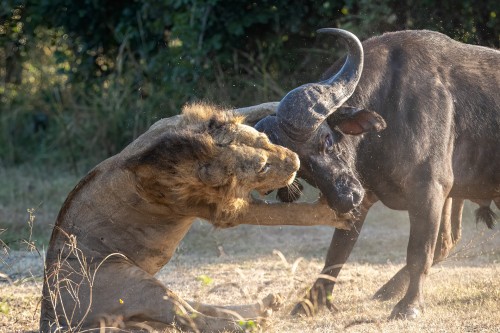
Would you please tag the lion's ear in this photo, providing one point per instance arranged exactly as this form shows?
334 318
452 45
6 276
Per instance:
213 175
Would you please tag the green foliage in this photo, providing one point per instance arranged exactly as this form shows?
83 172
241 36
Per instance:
248 325
101 72
4 308
205 279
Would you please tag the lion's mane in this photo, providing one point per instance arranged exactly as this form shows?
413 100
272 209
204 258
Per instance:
201 136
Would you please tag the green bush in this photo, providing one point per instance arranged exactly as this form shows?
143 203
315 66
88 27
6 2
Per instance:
99 73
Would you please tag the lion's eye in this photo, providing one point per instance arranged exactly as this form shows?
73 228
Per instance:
265 168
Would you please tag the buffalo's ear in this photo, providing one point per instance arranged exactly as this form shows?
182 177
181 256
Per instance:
354 121
213 175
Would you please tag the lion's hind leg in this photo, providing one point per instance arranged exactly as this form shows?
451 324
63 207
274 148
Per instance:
123 294
263 308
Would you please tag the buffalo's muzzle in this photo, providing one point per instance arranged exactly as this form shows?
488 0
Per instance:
346 196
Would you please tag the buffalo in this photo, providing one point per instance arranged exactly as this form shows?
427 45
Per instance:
410 118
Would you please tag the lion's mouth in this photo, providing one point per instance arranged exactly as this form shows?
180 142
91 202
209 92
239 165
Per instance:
288 182
291 179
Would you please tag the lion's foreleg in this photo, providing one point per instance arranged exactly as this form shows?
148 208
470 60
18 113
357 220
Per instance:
298 214
261 212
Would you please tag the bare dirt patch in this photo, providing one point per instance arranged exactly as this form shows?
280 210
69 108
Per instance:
244 264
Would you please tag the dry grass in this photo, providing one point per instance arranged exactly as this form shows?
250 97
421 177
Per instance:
27 187
462 294
459 299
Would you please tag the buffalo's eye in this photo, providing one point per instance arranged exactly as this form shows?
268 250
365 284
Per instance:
265 168
328 144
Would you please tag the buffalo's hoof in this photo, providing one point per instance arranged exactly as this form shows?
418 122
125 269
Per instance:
409 312
304 308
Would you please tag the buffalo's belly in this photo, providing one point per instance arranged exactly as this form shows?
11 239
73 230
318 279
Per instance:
475 191
476 169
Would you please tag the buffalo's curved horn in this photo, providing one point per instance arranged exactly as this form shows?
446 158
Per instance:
303 109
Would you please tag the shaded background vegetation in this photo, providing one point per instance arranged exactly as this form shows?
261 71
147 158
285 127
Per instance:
81 79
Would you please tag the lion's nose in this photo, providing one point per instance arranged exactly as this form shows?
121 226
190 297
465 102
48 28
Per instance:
293 161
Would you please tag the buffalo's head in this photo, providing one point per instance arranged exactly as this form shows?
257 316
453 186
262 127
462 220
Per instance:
311 121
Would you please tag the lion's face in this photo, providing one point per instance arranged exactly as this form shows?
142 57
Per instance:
247 157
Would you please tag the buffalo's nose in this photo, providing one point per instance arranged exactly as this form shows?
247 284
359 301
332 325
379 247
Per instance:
349 195
343 205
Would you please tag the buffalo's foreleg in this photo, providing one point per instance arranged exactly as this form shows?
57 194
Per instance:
341 246
425 215
449 235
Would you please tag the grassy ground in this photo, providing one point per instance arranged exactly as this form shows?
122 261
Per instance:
246 263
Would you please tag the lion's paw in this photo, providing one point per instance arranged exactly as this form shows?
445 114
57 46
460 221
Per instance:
270 303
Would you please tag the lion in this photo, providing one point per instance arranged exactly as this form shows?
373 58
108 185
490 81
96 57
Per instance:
123 221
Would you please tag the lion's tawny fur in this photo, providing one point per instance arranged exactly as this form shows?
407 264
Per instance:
130 212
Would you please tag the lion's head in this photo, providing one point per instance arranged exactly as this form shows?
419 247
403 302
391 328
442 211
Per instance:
211 158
